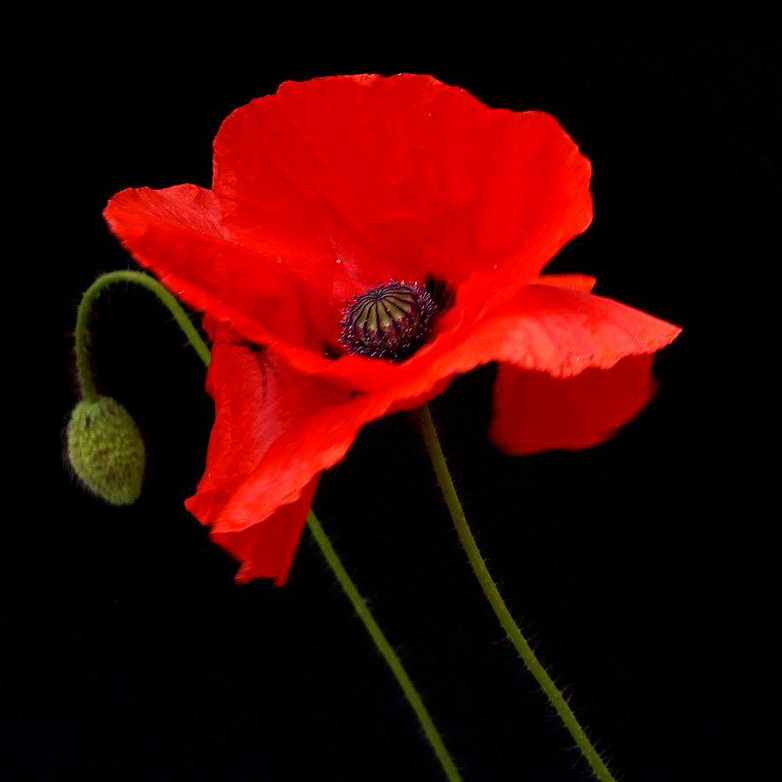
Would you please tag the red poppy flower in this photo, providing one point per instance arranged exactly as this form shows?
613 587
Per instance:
331 188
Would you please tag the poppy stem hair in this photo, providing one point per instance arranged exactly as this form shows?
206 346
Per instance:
504 616
92 398
86 382
385 648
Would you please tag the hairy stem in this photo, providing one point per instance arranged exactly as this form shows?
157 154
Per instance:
359 604
86 382
385 648
489 588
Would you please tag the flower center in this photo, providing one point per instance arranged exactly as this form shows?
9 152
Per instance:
390 321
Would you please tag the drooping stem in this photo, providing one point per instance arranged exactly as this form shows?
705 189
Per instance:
332 558
86 382
385 649
504 616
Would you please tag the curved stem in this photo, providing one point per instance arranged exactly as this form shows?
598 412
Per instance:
86 382
385 648
513 631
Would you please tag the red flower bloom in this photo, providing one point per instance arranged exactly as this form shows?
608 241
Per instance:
332 187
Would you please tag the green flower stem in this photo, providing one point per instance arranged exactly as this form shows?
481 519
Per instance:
86 382
389 655
498 604
331 556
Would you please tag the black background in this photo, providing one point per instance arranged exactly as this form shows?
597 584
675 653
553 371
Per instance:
643 569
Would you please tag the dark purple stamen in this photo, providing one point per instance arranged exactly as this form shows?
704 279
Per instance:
390 321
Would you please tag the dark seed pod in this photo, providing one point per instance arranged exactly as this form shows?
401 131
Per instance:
390 321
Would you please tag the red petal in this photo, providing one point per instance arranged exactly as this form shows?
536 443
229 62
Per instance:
574 282
266 549
563 332
276 429
309 445
177 233
257 400
551 327
534 411
354 180
391 177
545 328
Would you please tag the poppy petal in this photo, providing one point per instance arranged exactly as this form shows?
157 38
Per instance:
309 445
177 233
546 328
266 549
354 180
552 327
562 332
534 411
463 192
256 401
574 282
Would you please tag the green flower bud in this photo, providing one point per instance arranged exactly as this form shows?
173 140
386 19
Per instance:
106 451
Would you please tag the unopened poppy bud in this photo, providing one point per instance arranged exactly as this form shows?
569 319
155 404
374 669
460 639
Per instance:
390 321
106 451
